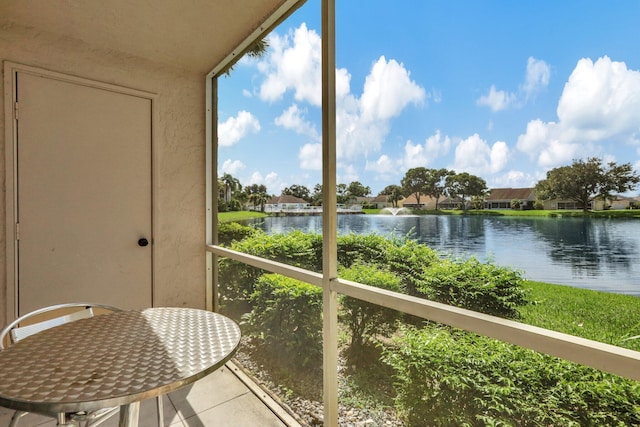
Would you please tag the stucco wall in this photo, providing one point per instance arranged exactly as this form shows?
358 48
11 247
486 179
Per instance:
179 152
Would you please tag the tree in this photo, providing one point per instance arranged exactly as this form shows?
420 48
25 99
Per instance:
255 188
586 180
465 186
299 191
230 185
435 183
257 50
356 189
394 193
516 204
316 196
259 198
415 182
341 193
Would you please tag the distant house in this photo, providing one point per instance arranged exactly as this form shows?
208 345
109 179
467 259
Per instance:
449 203
285 202
380 202
426 202
614 202
556 204
358 200
500 198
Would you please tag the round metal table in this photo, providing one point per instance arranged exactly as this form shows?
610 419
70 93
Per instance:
115 359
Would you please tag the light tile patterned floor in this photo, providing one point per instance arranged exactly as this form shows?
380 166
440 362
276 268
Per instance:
220 399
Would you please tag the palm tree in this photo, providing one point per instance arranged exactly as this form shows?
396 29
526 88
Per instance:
257 50
230 184
259 199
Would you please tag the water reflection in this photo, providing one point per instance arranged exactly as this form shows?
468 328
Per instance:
591 253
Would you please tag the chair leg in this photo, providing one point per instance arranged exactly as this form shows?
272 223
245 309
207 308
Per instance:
160 411
102 416
16 417
64 422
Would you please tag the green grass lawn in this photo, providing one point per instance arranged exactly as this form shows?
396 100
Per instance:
239 216
600 316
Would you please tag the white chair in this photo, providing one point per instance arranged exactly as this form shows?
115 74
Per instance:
22 328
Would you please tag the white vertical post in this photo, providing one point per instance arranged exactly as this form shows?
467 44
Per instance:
329 216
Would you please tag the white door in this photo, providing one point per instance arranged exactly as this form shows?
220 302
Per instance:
83 194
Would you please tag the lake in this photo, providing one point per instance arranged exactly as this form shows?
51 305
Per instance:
600 254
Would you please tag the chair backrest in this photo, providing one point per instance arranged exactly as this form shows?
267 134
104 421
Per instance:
20 333
16 332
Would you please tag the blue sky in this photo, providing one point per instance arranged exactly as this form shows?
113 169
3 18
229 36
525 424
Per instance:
504 90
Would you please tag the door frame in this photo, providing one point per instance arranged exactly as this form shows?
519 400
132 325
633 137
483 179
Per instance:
11 71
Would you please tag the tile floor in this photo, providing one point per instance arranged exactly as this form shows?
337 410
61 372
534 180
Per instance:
226 398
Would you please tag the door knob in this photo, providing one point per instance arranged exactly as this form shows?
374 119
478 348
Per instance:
143 242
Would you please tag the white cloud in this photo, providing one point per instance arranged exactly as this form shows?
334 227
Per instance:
293 118
537 78
347 173
513 179
272 181
385 165
600 103
475 156
601 100
388 89
294 63
310 156
416 155
234 129
497 99
437 145
363 123
232 166
436 96
499 156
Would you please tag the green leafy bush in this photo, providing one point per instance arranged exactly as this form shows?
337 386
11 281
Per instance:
363 319
287 317
237 280
454 378
409 259
229 232
482 287
296 248
369 248
470 284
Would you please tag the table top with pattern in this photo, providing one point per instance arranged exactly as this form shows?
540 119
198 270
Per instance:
114 359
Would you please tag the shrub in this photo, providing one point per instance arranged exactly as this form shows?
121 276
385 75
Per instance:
296 248
229 232
516 204
369 248
409 260
363 319
470 284
237 280
235 205
454 378
287 317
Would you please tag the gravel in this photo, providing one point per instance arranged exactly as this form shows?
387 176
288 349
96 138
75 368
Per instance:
309 412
